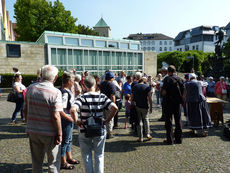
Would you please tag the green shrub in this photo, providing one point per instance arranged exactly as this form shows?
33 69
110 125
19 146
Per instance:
7 80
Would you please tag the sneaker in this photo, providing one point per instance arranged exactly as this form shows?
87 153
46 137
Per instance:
140 140
12 122
149 137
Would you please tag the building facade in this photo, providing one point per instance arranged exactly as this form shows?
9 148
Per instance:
6 26
92 53
227 28
28 57
158 43
201 38
84 53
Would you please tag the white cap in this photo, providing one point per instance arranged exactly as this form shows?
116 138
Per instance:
210 77
221 77
192 75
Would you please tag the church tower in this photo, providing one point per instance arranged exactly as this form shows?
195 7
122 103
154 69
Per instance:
102 28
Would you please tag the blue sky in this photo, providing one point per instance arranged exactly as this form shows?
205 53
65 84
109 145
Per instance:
126 17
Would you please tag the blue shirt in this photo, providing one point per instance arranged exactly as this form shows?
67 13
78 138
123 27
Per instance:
211 87
126 88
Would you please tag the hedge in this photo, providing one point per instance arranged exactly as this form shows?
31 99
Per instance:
27 79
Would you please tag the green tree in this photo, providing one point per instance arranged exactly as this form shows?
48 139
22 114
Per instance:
81 29
226 49
186 61
33 17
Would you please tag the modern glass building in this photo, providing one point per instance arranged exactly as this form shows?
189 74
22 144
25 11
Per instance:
92 53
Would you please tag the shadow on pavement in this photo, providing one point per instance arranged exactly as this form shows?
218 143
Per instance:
127 146
9 131
15 168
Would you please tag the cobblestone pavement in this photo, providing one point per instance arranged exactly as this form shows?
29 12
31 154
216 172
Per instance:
122 153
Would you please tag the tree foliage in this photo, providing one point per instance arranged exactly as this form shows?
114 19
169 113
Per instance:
33 17
186 61
226 49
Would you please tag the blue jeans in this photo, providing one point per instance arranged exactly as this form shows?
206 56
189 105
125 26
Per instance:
158 96
96 144
19 108
67 135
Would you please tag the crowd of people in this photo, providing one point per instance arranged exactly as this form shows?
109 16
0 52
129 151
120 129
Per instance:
92 103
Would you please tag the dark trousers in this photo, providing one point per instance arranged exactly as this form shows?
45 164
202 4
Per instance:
169 110
116 116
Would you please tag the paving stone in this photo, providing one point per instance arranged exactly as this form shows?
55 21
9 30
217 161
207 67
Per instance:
122 153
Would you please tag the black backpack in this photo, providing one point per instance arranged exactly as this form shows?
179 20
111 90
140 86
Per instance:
93 125
178 90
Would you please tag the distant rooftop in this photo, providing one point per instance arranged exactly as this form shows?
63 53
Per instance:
228 26
155 36
101 23
200 30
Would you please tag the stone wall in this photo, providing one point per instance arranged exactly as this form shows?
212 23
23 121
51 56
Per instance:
150 63
32 58
103 31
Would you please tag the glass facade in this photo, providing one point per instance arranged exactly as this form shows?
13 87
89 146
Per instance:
94 54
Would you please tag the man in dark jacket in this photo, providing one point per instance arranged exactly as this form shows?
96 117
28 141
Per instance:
109 89
173 92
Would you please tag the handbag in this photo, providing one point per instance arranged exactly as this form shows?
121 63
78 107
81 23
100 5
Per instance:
12 97
93 125
224 91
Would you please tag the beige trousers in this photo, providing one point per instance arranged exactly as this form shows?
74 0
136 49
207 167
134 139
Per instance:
39 145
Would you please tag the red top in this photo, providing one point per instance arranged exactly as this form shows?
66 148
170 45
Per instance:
219 86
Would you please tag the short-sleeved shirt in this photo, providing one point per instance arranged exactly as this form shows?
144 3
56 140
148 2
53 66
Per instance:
126 88
21 87
108 88
67 100
42 100
140 94
97 102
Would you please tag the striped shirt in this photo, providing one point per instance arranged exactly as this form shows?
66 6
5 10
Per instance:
97 103
42 100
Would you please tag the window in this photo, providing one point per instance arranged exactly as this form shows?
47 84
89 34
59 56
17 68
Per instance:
160 49
87 42
113 44
165 49
149 48
193 47
170 48
165 42
144 49
153 42
55 40
170 42
197 47
13 50
153 48
100 43
186 47
71 41
134 46
124 45
160 42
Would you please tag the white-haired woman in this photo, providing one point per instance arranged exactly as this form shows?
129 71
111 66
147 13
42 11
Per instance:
77 87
